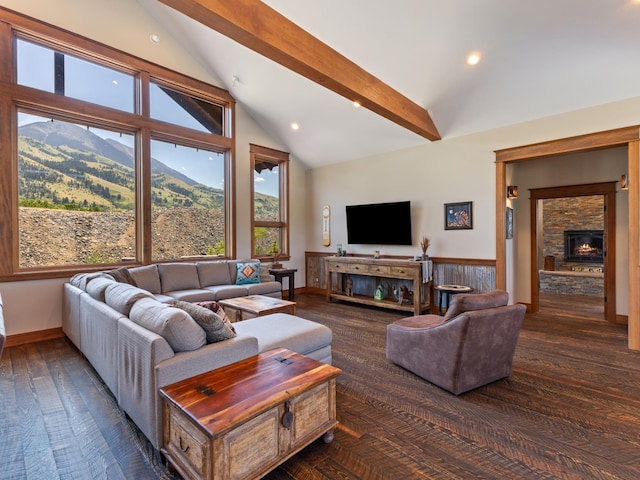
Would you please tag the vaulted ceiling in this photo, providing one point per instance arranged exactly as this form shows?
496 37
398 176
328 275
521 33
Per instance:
537 59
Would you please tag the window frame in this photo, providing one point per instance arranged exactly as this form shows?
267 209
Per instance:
257 153
14 97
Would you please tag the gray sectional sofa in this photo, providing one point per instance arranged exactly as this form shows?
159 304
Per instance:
138 343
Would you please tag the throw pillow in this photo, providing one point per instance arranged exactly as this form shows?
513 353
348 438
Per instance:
176 326
218 310
215 328
97 286
122 275
248 273
122 297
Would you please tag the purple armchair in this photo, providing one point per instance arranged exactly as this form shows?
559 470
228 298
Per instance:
471 346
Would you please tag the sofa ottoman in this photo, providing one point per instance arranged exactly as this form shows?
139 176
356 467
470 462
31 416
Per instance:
288 331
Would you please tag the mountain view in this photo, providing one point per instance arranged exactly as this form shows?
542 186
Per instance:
77 198
71 167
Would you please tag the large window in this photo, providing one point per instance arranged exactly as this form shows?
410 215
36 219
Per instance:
46 69
76 193
187 193
106 159
172 106
270 205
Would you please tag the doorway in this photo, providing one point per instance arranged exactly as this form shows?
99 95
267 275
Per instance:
629 137
608 192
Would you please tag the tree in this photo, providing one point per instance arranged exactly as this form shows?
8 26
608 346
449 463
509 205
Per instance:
217 249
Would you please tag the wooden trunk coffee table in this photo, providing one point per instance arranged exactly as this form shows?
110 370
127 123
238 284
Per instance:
241 421
258 305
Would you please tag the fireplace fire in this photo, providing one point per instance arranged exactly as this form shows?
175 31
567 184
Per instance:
583 246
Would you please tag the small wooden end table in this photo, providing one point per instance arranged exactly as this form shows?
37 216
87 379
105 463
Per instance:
448 291
241 421
258 305
290 273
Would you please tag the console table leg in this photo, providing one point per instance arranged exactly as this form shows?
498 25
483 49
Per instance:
328 437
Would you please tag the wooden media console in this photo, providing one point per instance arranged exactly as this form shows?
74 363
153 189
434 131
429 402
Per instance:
355 279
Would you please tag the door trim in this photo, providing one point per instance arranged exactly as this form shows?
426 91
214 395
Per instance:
608 191
628 136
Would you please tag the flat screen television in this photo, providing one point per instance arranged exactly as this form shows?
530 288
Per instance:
379 223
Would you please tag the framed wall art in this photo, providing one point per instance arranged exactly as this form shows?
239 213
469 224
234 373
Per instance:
458 216
509 223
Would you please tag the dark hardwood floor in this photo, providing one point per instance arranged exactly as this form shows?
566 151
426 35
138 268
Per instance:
588 308
570 410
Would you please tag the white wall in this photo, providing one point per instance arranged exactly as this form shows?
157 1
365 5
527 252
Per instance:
463 169
134 26
428 176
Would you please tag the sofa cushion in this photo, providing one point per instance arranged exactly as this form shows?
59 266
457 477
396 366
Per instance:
147 278
213 273
221 292
178 276
264 288
191 295
122 275
97 286
464 302
161 297
247 273
419 321
176 326
122 296
217 309
215 328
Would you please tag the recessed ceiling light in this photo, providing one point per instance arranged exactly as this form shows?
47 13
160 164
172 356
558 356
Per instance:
357 104
473 59
155 39
295 126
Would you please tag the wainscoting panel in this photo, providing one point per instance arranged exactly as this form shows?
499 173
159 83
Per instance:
482 278
478 274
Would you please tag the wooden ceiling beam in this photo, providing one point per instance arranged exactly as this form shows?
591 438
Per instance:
262 29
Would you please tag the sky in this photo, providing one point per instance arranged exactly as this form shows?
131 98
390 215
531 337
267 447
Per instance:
97 84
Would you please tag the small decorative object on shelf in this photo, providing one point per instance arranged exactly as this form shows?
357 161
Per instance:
404 295
376 254
275 251
424 244
379 295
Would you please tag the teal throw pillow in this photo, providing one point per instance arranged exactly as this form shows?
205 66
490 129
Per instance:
248 273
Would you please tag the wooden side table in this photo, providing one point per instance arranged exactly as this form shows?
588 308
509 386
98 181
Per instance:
290 273
448 291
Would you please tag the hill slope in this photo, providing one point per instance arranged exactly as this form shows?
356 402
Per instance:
65 165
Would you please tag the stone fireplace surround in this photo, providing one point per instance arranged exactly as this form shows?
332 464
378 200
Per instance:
570 277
